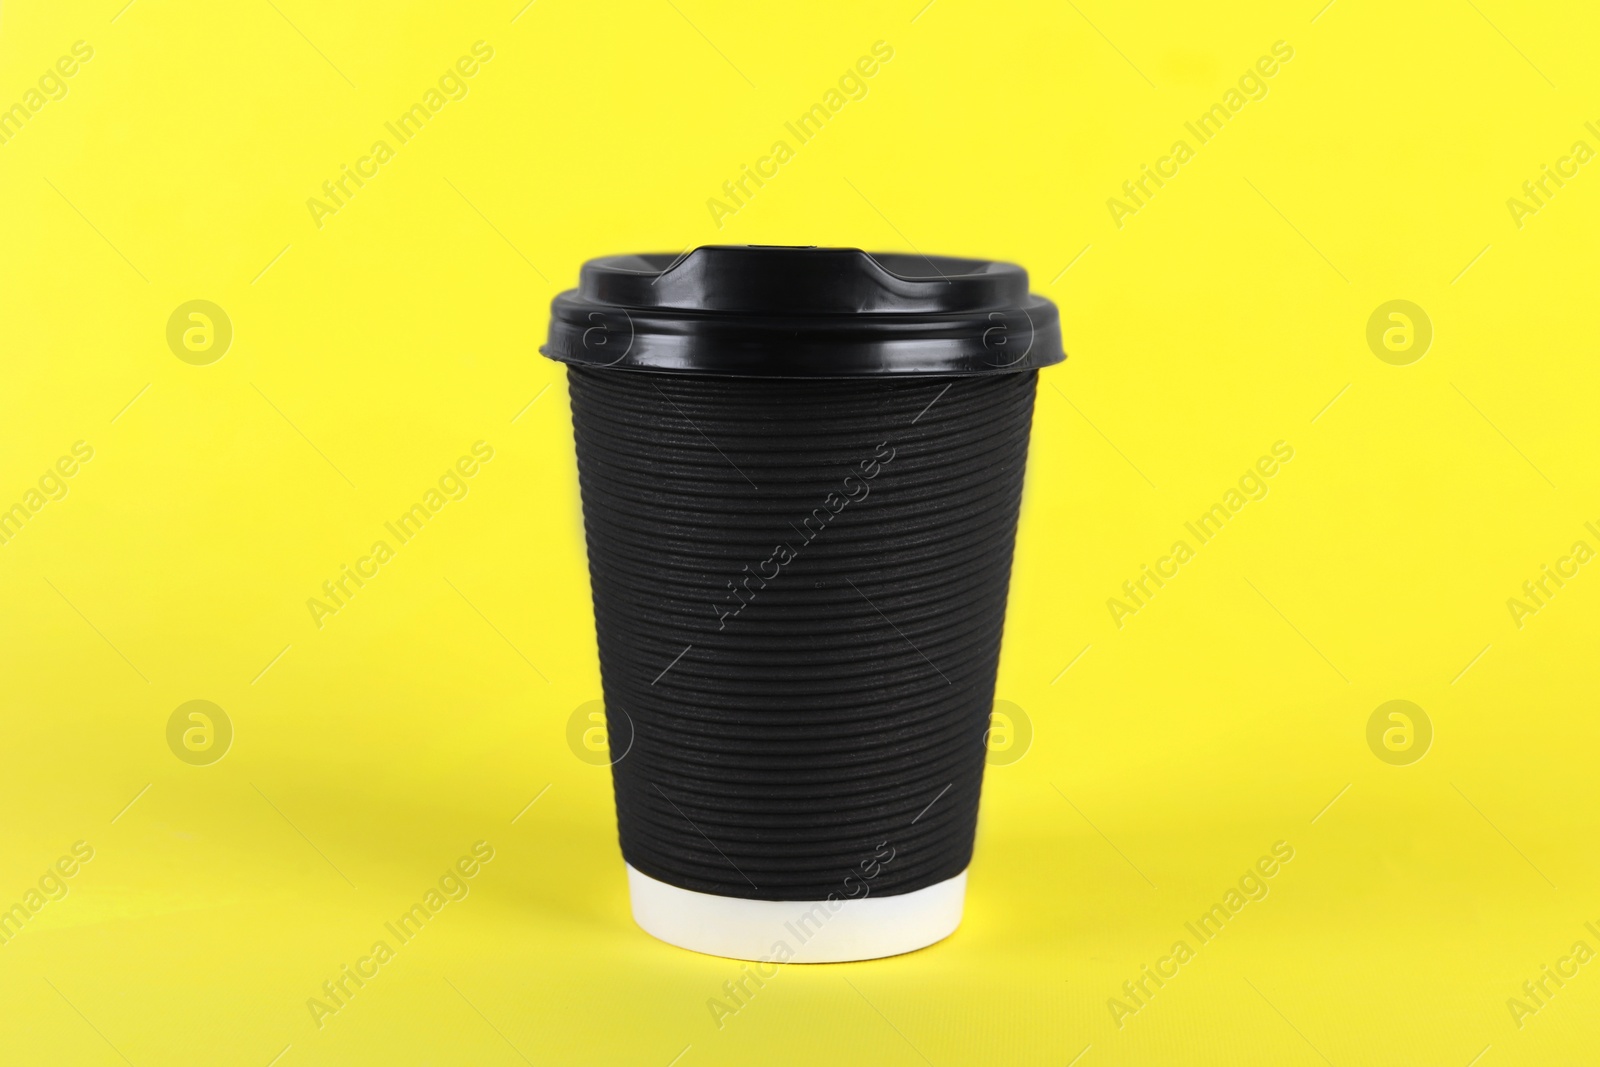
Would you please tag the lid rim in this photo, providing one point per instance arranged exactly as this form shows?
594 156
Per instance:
764 311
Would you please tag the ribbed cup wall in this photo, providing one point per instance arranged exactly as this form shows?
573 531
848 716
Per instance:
799 590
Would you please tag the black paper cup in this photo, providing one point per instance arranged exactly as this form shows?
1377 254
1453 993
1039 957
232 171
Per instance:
801 470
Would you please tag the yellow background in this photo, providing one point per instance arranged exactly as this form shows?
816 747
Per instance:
370 353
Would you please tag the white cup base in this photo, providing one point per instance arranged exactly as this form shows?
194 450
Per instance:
797 931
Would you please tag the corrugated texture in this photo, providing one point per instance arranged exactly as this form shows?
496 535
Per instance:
799 591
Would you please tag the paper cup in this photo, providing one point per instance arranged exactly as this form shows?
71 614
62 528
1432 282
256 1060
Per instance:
801 471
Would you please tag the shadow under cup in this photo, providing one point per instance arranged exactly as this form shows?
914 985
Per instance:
801 472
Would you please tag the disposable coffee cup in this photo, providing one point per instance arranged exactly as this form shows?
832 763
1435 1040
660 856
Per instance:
801 470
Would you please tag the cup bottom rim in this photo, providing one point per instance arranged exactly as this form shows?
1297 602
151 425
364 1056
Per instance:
797 931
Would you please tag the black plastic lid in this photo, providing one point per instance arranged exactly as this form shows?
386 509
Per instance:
803 312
